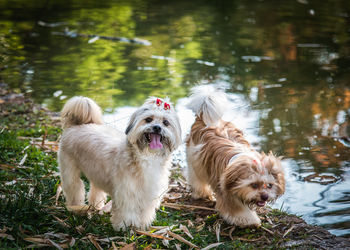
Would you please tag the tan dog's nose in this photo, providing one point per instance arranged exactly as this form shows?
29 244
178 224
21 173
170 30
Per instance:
264 197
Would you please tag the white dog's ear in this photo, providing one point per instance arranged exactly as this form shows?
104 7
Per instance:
132 120
130 126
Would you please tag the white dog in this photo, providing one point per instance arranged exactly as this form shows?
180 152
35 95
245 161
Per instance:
133 168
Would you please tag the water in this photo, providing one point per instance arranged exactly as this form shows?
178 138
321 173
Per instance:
285 65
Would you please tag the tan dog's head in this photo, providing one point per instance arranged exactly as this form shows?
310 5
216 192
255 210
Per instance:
154 127
254 179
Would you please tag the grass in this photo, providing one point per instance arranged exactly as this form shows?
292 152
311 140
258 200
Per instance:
33 213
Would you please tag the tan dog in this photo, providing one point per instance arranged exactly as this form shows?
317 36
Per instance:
220 160
133 168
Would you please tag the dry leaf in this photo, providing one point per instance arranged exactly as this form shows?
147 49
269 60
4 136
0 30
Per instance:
152 235
35 240
6 236
217 227
80 229
38 246
54 244
84 209
131 246
72 242
214 245
182 206
23 160
200 227
230 232
6 167
165 242
58 193
288 231
114 247
190 223
60 221
267 230
94 242
110 239
120 243
186 231
180 238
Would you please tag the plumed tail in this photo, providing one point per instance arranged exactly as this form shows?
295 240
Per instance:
80 110
208 103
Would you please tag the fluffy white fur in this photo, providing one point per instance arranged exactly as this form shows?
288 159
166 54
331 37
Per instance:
208 103
122 165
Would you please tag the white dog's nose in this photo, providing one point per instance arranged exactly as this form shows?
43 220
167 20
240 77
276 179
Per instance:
157 129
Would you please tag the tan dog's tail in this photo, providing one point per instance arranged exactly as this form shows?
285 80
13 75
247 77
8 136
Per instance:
208 103
80 110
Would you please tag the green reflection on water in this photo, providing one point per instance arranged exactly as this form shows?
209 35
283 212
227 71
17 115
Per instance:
294 54
191 42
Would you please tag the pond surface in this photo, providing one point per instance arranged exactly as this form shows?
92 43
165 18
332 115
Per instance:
285 65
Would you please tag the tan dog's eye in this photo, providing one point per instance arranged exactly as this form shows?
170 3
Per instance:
255 185
269 185
166 123
149 119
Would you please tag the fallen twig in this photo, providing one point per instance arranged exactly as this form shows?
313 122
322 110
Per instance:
152 235
6 236
214 245
267 230
183 240
23 160
186 231
288 231
182 206
94 242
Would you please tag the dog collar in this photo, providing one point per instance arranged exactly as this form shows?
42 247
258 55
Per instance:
250 154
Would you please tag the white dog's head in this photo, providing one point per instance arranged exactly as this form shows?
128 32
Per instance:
155 127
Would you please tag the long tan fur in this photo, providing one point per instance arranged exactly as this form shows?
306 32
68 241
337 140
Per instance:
251 178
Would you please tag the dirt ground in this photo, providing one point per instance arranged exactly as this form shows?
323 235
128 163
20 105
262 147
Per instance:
283 231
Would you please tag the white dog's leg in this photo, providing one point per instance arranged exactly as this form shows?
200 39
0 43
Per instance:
97 197
72 185
122 218
200 189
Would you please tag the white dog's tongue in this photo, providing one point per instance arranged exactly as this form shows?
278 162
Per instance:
155 142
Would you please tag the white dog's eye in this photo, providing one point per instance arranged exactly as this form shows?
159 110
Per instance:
166 122
255 185
269 185
149 119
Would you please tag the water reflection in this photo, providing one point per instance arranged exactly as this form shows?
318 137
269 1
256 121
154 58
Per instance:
285 64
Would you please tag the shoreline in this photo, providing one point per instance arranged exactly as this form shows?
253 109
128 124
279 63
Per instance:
29 141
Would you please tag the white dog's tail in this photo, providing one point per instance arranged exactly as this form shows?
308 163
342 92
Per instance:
208 103
80 110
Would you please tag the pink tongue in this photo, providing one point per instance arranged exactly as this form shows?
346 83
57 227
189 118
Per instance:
261 203
155 142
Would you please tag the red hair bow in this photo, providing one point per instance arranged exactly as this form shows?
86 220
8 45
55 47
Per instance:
159 102
166 106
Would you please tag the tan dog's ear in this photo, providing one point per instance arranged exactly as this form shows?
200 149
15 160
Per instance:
232 176
274 166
